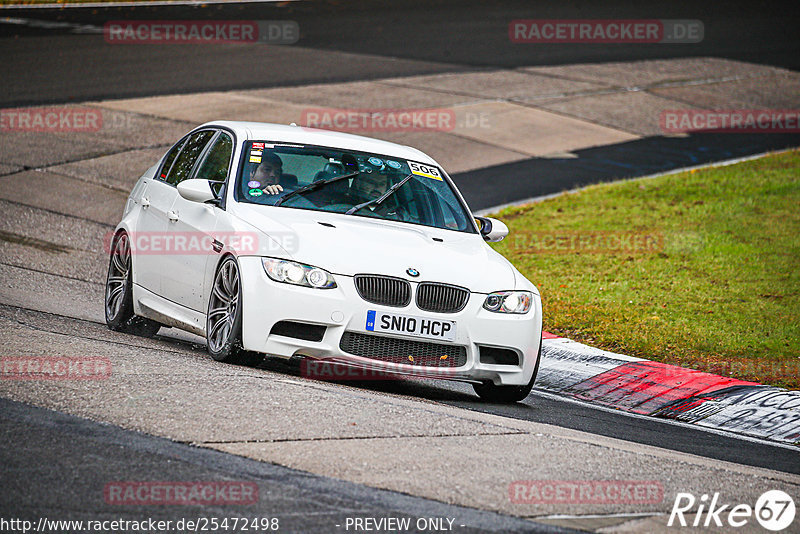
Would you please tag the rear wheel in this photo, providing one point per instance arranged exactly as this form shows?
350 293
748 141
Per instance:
490 392
119 293
224 318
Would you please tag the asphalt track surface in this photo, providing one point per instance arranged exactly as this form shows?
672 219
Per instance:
56 465
375 40
391 38
99 453
490 186
400 38
544 407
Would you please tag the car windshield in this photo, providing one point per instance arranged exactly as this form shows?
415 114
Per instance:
336 180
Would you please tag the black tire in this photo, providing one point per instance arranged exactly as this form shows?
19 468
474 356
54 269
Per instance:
119 293
224 317
489 392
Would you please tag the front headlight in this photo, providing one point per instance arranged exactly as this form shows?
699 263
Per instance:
509 302
291 272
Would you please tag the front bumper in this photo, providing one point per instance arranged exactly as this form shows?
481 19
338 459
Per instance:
266 302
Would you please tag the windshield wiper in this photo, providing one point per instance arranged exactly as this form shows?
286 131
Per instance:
316 185
378 201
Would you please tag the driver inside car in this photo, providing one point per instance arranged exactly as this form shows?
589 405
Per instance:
369 186
268 174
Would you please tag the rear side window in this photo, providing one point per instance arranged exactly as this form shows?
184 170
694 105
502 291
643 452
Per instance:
217 161
182 168
170 159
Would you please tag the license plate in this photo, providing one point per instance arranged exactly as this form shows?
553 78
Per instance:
409 325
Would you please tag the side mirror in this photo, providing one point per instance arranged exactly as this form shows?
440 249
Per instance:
196 190
492 229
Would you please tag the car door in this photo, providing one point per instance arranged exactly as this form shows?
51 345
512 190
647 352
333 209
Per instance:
156 200
161 194
195 223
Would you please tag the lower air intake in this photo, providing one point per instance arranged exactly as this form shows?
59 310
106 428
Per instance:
308 332
405 351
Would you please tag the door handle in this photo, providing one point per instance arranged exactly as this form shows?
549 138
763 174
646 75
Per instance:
145 202
172 215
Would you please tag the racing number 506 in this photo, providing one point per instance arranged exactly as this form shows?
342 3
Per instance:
418 167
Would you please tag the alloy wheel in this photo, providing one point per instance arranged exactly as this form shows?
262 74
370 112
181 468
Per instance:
223 306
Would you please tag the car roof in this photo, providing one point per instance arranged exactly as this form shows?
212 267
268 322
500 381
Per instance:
264 131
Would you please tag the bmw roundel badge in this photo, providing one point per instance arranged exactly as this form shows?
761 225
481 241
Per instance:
412 271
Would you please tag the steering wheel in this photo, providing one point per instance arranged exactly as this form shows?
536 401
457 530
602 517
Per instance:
396 212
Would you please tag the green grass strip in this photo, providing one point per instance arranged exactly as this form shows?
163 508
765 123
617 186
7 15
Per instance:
699 269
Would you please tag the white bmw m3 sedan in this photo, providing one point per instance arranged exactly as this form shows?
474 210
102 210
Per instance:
289 241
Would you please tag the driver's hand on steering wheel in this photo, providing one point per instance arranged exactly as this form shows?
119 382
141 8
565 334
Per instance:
273 189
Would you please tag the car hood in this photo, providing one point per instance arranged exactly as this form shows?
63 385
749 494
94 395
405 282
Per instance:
349 245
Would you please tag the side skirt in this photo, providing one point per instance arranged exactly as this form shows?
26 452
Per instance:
148 304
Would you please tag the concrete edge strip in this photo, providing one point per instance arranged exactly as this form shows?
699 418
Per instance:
656 389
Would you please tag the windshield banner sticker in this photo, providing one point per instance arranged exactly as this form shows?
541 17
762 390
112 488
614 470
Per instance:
429 171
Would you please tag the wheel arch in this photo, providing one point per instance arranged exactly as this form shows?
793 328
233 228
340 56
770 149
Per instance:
110 240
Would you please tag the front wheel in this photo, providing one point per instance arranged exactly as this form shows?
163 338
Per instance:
489 392
119 293
224 318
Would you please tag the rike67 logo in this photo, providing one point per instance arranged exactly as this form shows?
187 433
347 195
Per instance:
774 510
